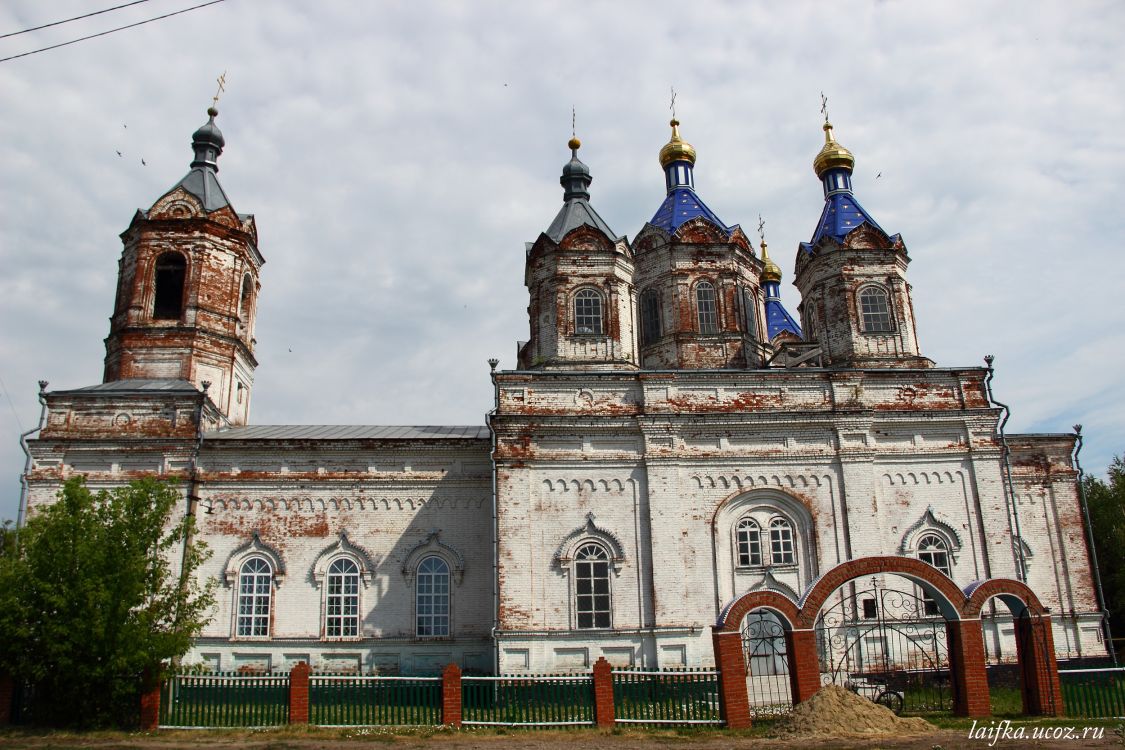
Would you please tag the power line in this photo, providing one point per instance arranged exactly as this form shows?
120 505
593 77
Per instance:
76 18
103 33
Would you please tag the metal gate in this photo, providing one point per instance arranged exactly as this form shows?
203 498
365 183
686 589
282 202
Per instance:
1036 660
767 664
886 644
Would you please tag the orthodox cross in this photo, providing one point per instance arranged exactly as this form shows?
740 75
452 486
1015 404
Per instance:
824 106
672 106
221 80
762 229
573 116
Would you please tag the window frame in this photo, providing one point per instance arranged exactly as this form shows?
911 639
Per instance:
753 540
929 604
433 597
343 617
163 313
252 615
599 556
598 317
707 322
780 522
867 320
650 317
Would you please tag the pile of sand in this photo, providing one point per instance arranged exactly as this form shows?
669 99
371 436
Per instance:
836 712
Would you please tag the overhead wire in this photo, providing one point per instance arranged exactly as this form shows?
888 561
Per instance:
110 31
68 20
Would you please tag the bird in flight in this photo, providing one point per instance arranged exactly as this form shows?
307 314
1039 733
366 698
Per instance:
878 175
143 163
118 152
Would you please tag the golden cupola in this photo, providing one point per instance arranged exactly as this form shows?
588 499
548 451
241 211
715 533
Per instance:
832 155
770 271
676 149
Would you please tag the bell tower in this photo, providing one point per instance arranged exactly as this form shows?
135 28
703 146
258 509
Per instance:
187 289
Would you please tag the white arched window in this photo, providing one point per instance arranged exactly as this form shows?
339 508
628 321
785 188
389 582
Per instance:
588 312
341 605
782 549
933 550
706 309
255 585
749 541
875 312
591 587
432 592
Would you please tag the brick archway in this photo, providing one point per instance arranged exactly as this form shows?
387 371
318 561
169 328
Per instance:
1035 643
726 636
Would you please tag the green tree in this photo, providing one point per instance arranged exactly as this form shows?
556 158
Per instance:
100 597
7 537
1106 501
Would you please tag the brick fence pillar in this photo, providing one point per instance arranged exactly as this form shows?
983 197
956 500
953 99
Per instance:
7 695
734 705
604 711
299 693
966 664
451 696
804 664
1039 672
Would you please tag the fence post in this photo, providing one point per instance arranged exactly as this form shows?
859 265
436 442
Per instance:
733 701
966 665
604 712
299 693
451 696
7 694
804 664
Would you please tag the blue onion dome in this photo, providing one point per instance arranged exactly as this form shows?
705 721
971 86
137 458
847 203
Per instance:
832 155
575 177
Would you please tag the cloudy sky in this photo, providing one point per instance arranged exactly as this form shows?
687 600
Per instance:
397 155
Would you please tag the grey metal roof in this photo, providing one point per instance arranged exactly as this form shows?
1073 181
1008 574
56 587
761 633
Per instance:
165 385
350 432
204 185
574 213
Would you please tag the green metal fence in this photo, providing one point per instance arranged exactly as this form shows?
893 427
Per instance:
533 701
669 697
224 700
1093 693
353 700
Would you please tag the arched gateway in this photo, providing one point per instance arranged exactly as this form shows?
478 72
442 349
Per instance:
955 612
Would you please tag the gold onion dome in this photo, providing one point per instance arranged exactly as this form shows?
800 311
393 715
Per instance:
771 271
676 149
574 144
833 155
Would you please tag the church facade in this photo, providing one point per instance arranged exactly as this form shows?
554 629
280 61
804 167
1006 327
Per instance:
671 439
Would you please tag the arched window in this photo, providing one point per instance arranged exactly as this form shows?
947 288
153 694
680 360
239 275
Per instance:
750 313
341 610
782 551
706 311
244 300
874 310
591 586
650 316
588 312
255 584
749 540
433 598
168 299
933 550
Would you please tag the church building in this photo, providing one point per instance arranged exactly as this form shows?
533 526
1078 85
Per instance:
671 439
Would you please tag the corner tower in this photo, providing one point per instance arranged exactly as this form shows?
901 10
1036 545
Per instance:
698 280
855 301
580 278
187 288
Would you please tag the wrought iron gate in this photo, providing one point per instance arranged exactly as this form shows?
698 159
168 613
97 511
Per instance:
886 644
767 664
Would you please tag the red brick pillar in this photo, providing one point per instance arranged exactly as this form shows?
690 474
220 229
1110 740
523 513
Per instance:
7 694
299 693
966 665
1039 672
451 696
604 711
734 705
804 664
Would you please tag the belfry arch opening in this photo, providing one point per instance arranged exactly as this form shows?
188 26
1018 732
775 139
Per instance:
169 274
